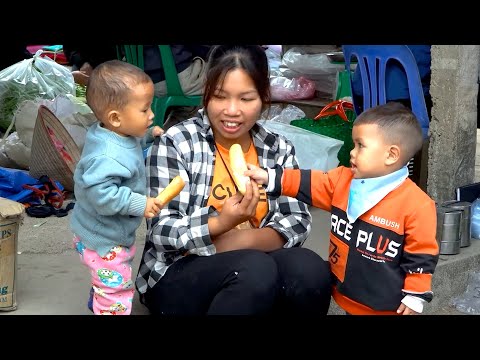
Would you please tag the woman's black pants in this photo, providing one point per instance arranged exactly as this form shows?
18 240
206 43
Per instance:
293 281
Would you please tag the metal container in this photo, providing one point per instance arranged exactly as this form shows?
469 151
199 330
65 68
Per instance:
448 230
465 229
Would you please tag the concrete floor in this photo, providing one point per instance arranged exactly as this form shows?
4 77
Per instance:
50 280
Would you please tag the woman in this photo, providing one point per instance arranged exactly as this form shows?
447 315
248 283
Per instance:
212 250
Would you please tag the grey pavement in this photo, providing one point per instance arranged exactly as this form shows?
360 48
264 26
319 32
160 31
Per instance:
50 280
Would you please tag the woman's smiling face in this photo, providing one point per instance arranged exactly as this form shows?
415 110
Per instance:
234 108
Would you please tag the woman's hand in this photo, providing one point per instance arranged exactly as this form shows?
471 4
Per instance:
238 208
235 210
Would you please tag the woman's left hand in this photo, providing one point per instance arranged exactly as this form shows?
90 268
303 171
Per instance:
238 208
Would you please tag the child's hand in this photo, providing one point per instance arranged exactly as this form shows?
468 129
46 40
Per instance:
259 175
405 310
153 207
157 131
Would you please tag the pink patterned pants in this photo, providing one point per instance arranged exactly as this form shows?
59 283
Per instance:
111 278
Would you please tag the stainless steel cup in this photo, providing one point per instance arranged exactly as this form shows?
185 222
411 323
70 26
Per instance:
448 230
465 229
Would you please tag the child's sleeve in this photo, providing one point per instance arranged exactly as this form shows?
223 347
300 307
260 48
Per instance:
314 187
147 140
103 188
421 251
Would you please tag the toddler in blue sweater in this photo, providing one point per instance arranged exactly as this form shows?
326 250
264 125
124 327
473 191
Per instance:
110 182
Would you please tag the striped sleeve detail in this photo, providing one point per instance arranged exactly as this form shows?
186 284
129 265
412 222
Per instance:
313 187
419 285
291 182
421 250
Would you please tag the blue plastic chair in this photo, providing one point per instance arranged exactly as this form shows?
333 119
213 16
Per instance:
175 95
372 60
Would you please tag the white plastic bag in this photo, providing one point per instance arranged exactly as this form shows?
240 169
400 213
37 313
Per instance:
17 151
274 60
314 151
38 77
317 67
298 60
285 114
75 116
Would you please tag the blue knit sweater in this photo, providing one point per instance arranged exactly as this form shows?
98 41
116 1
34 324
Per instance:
110 188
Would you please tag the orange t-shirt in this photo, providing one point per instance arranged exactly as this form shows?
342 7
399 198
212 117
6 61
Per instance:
223 186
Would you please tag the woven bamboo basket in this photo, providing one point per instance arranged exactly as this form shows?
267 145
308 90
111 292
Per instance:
54 152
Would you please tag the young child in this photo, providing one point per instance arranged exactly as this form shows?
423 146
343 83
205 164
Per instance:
110 182
383 250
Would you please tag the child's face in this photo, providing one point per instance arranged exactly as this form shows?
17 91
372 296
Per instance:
368 157
137 116
234 109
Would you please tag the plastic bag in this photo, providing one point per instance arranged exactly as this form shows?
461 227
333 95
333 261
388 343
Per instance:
283 89
475 219
313 151
469 302
12 181
30 79
277 112
274 60
317 67
68 110
17 151
18 185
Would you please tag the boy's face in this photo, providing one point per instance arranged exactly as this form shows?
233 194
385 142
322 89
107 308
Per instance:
368 158
137 116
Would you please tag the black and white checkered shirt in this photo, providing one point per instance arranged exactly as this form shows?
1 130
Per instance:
187 149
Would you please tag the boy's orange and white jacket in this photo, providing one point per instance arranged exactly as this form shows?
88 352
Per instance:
388 252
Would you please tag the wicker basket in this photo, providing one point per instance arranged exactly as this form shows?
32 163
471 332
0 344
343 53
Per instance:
54 152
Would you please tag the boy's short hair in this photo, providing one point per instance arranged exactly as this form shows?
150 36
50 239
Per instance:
110 84
398 124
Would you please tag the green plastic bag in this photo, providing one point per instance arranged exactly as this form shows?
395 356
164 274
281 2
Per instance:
336 121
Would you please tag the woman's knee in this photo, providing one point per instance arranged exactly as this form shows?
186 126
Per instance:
250 287
258 273
306 282
304 267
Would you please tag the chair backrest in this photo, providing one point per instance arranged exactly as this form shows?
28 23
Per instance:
134 55
175 96
372 60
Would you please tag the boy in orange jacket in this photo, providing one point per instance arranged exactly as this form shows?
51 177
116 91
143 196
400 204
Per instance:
383 249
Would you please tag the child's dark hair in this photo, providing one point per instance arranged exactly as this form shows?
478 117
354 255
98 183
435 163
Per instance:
398 125
250 58
110 85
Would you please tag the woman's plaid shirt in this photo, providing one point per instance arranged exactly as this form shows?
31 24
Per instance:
187 149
